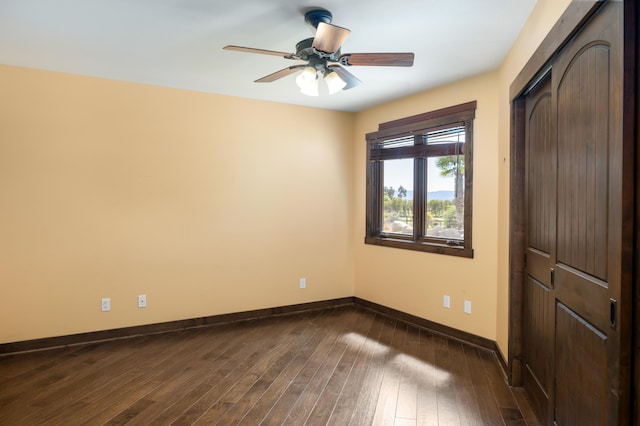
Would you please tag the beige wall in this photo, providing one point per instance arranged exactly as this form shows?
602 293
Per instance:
207 204
211 204
415 282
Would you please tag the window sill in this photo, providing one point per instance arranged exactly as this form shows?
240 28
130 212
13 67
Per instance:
420 246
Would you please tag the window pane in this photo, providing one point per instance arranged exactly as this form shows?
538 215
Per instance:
431 154
398 196
445 197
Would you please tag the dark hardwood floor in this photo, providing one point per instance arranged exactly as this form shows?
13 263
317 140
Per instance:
337 366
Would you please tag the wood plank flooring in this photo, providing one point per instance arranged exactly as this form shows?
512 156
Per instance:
342 366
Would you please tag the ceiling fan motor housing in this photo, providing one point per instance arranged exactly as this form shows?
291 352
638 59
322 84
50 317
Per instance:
315 16
305 51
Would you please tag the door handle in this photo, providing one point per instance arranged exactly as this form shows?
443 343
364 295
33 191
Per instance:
612 312
552 277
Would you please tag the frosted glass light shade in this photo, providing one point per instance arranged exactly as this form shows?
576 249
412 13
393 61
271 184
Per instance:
334 82
311 89
307 77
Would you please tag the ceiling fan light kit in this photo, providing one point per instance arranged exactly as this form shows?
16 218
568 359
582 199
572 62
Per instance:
324 59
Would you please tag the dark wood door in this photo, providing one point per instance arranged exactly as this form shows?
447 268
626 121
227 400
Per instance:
574 254
539 206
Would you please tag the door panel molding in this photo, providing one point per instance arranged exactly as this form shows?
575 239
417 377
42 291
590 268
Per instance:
581 370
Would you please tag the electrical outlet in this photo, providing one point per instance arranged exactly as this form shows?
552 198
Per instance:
106 304
303 283
446 302
467 306
142 301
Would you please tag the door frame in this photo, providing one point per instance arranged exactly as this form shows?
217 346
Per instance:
574 17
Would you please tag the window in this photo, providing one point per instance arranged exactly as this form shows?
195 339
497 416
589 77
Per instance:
419 180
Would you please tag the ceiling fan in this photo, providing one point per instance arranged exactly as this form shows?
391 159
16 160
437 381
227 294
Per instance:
324 59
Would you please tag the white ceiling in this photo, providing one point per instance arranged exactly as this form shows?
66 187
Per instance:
178 43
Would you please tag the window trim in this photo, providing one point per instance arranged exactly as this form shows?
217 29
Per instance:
461 115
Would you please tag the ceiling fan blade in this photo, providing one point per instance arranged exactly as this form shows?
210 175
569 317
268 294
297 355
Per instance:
260 51
377 59
279 74
346 76
329 37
